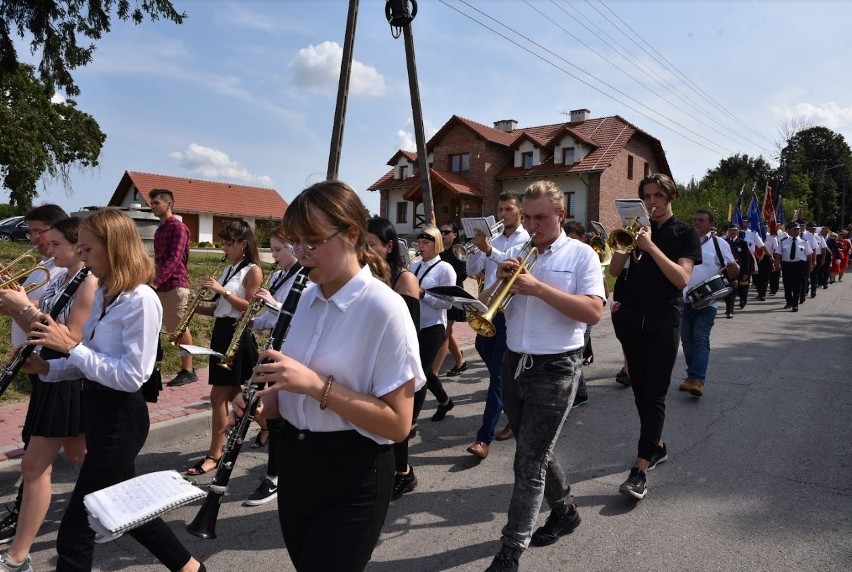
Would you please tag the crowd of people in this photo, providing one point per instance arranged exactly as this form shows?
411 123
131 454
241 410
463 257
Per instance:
337 410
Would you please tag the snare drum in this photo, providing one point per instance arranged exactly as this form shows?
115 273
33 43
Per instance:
709 291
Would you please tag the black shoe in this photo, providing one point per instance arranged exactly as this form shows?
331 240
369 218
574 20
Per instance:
456 370
580 399
761 298
265 492
183 377
403 484
742 304
813 294
442 411
505 561
634 486
787 306
8 526
729 315
622 378
660 456
555 526
795 308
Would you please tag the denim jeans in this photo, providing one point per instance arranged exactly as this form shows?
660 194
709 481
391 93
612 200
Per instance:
491 351
695 337
537 395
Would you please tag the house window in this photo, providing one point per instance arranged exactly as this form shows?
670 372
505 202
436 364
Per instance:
647 171
403 172
570 208
402 212
630 167
568 156
527 160
460 162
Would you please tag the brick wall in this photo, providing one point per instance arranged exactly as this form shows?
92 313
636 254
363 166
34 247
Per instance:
614 183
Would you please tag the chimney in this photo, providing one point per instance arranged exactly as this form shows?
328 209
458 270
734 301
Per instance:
506 125
578 115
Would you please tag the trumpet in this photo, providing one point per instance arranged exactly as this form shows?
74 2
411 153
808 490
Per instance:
483 324
602 249
254 307
201 295
26 263
464 251
623 240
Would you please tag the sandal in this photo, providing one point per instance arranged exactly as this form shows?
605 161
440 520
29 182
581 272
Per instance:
198 468
259 441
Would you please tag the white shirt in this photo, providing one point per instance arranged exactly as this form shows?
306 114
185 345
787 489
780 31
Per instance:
500 248
123 350
823 245
224 309
363 336
771 244
710 262
433 311
266 320
812 242
19 336
535 327
802 250
753 240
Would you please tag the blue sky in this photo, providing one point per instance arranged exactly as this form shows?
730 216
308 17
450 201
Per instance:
244 91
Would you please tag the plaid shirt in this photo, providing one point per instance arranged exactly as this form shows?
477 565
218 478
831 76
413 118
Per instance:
171 253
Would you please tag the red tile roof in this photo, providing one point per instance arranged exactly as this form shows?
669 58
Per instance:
197 196
456 184
412 157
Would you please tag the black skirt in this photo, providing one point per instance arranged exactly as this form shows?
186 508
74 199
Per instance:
244 361
456 315
55 408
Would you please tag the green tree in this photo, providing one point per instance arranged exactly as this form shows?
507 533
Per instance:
61 31
38 136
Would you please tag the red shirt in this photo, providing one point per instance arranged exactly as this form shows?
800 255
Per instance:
171 254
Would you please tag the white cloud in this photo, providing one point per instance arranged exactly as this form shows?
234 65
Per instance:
829 114
405 136
317 68
215 164
57 98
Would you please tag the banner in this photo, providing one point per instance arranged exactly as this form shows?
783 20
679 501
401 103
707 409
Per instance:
769 211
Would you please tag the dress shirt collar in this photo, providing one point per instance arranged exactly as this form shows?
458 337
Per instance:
347 294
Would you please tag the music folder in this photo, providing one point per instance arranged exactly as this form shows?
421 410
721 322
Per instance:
459 298
632 208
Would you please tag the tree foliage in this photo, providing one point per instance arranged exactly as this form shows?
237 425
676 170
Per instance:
41 137
62 30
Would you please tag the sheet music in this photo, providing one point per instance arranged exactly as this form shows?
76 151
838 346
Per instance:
481 224
189 349
599 228
632 208
459 298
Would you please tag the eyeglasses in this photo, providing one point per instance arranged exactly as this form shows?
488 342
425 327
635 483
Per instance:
38 232
307 250
447 231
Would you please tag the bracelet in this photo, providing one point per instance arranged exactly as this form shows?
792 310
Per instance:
324 401
25 309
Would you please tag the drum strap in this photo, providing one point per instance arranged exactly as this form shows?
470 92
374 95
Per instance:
718 252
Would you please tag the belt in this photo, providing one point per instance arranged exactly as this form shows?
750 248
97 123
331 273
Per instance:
569 353
89 385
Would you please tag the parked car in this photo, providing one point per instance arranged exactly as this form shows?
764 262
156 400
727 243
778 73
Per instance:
14 228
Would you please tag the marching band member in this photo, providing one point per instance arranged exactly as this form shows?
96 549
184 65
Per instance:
116 356
237 285
344 385
450 237
54 415
793 259
544 332
646 317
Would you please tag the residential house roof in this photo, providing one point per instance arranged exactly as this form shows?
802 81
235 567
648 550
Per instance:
208 197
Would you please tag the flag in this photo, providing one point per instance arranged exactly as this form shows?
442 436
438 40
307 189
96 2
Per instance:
797 215
769 211
737 219
779 214
753 215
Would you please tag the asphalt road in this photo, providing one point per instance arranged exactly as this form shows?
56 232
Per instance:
758 476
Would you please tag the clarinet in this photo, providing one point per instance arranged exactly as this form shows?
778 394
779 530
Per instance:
204 523
7 374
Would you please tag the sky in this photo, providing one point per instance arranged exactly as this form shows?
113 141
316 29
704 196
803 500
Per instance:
245 91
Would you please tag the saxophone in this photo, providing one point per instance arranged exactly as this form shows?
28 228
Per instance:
201 295
254 307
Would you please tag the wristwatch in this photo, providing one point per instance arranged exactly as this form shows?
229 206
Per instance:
227 294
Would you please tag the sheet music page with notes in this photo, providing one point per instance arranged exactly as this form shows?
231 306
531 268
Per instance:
138 500
632 208
481 224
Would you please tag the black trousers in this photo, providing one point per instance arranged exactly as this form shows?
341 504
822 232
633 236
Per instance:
650 360
332 498
761 280
793 274
116 429
815 277
774 281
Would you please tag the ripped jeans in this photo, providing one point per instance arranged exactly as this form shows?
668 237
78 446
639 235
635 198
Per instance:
537 394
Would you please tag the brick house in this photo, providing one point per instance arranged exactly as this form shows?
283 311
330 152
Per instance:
593 161
204 206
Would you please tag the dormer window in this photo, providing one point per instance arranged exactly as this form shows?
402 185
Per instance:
460 162
527 160
568 156
403 172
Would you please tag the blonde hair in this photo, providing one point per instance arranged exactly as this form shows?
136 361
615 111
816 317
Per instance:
343 209
129 263
548 190
433 231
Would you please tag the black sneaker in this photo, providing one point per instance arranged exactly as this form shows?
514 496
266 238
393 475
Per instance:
442 410
8 526
660 456
505 561
580 399
265 492
403 484
556 526
634 486
183 377
622 378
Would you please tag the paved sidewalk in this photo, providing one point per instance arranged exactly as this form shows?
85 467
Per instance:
179 410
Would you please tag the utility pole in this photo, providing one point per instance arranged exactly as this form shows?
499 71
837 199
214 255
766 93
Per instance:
399 16
342 93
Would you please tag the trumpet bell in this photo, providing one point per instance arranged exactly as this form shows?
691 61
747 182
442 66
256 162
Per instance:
482 323
602 249
621 241
460 252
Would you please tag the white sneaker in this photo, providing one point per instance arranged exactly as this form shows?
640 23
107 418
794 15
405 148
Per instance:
7 565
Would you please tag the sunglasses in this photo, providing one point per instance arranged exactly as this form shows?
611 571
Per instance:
447 231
